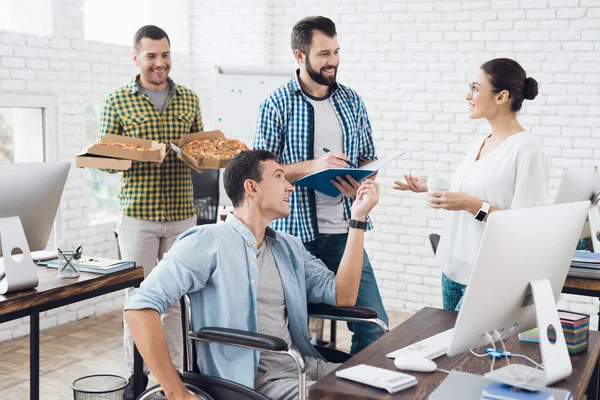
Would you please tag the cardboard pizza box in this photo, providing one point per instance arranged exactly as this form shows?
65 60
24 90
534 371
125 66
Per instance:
203 164
156 155
85 160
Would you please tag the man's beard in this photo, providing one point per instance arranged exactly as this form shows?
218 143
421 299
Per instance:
318 76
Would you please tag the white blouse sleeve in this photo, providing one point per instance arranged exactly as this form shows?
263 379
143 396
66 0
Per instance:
532 183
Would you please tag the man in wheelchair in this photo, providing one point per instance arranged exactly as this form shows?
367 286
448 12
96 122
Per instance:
243 275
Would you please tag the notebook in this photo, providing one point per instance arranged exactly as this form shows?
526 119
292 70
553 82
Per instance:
321 181
471 387
95 265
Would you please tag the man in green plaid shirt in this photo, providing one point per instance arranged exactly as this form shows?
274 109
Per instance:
156 200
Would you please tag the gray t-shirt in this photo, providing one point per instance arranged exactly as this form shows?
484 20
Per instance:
160 98
272 313
331 217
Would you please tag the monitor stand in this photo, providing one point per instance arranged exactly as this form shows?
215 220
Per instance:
555 357
19 270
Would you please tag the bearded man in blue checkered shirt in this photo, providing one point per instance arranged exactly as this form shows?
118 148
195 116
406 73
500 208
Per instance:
313 123
157 200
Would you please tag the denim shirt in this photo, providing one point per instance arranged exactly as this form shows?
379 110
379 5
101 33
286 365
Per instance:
216 266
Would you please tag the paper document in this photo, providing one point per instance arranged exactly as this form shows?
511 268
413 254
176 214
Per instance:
321 181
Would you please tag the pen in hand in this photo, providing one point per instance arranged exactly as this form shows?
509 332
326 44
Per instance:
326 150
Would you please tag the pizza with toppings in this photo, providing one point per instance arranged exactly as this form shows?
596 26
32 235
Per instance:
127 146
218 149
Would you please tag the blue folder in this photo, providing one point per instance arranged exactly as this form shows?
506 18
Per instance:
321 181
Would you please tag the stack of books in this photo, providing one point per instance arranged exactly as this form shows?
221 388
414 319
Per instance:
575 327
585 264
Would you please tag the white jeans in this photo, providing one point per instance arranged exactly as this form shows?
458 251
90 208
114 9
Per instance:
145 242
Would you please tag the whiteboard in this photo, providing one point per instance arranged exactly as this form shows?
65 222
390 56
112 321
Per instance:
238 93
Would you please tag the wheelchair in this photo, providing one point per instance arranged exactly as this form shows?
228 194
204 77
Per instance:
213 388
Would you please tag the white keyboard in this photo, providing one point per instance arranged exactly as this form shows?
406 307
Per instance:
392 381
430 348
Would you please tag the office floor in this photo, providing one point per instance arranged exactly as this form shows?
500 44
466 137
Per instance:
90 346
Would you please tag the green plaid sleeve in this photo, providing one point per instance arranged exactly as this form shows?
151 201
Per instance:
197 124
109 124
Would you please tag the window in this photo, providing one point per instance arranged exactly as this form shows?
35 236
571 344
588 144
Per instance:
21 135
28 134
104 187
26 16
27 128
101 22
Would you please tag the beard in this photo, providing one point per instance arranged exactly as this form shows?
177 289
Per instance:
319 77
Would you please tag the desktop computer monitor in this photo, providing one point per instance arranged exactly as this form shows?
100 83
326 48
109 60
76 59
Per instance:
579 184
519 271
32 192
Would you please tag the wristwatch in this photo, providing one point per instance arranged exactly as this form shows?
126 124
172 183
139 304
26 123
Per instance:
357 224
483 211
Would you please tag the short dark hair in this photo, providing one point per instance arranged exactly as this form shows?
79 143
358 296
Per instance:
302 32
507 74
149 31
245 165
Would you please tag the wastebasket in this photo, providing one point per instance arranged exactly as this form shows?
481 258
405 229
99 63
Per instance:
99 387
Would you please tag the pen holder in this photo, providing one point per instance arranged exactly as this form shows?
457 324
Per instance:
70 268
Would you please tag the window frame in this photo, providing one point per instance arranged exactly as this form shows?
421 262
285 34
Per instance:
48 105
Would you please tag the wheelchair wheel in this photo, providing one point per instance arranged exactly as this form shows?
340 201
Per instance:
156 393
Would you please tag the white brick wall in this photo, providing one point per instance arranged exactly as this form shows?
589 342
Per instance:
409 60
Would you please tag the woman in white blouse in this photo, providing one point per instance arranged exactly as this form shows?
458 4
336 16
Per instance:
504 169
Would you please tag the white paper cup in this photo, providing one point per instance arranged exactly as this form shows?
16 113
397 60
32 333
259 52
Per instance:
438 184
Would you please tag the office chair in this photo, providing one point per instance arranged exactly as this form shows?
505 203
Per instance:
434 239
221 389
206 195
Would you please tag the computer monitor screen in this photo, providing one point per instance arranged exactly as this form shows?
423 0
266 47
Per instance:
578 184
32 192
518 246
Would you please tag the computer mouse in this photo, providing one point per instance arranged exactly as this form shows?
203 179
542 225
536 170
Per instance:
415 363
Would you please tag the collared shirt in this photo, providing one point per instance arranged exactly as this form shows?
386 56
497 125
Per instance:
150 191
286 127
216 265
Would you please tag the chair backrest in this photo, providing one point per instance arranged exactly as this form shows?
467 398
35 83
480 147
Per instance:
206 195
434 239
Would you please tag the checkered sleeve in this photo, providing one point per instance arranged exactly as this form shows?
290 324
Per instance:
267 134
197 124
109 123
366 146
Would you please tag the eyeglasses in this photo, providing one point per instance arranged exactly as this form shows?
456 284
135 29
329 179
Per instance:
474 89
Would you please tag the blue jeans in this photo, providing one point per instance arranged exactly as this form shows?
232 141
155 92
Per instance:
330 249
452 293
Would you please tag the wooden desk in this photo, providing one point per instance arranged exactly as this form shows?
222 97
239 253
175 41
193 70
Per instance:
428 322
583 287
53 292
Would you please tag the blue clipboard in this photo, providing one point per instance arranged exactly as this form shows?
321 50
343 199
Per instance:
321 181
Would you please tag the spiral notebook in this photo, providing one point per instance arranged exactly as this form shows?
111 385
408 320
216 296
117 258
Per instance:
471 387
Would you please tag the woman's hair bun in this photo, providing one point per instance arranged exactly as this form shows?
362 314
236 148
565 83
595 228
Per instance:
531 89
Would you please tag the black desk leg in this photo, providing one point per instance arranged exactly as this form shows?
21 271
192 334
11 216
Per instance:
34 356
594 383
138 371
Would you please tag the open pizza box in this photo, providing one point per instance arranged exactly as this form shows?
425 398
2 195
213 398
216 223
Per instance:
202 164
99 156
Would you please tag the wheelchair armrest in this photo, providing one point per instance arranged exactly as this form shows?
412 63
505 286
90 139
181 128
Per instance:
324 311
236 337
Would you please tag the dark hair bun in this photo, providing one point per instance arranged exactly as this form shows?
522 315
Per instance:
531 89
